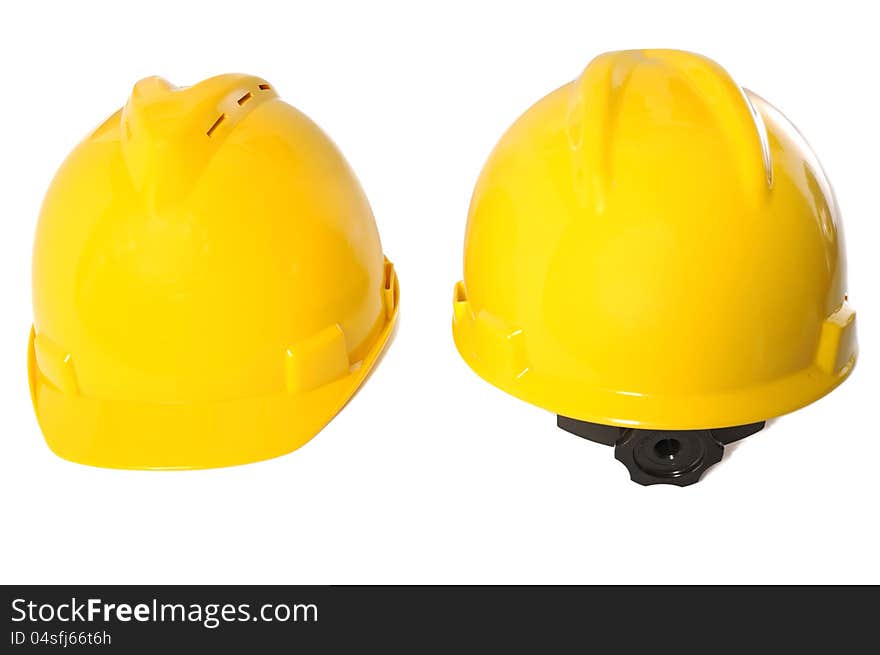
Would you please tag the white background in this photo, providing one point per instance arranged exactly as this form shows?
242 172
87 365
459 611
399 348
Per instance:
430 474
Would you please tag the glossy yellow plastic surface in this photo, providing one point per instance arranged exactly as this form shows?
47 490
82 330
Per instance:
652 246
208 283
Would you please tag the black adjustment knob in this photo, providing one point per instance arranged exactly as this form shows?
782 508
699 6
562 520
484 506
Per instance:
677 457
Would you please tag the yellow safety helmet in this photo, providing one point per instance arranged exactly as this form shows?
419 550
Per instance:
656 256
208 283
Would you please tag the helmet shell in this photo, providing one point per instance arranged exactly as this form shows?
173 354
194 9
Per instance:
652 246
206 247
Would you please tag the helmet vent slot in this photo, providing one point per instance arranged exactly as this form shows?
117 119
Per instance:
265 87
247 96
216 124
389 275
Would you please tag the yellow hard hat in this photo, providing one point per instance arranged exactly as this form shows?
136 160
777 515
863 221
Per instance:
656 256
208 283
